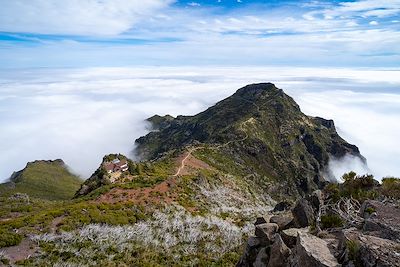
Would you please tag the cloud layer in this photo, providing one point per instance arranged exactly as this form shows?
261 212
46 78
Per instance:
80 115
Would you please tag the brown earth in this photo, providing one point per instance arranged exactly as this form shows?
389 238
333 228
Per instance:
161 193
24 250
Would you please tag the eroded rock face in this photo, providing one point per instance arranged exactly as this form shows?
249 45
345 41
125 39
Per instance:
312 251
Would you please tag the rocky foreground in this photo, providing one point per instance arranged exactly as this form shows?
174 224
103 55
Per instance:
319 233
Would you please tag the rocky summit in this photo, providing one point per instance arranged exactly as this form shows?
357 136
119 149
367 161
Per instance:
262 132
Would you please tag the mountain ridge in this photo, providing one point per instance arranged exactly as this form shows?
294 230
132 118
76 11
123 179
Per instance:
267 124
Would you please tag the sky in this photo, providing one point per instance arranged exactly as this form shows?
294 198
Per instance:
114 33
79 77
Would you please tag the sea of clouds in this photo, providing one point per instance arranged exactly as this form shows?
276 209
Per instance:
80 115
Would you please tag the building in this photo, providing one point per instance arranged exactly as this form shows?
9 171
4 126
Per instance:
116 165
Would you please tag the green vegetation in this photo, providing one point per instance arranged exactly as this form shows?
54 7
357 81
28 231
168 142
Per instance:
363 187
391 187
370 210
331 221
43 179
8 238
353 248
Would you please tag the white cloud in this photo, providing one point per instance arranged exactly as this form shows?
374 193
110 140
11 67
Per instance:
82 114
379 8
194 4
76 17
373 23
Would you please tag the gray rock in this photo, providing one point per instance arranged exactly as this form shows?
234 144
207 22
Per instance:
303 213
279 253
266 232
312 251
382 219
289 236
262 258
283 221
250 253
368 250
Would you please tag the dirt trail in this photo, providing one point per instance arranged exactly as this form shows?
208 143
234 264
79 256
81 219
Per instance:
24 250
182 166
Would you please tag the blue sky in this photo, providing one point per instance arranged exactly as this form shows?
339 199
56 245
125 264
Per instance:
91 33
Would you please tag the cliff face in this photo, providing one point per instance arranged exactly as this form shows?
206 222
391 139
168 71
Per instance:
260 130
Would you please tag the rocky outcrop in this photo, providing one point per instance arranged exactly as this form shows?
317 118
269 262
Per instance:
312 251
381 219
359 249
373 244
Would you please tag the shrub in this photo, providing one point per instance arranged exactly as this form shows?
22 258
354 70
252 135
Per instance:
370 210
391 187
8 238
331 221
353 248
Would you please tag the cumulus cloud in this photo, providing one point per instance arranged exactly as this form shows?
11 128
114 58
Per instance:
80 115
76 17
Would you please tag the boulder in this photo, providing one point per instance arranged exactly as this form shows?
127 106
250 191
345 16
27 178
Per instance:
283 221
262 258
279 253
289 236
303 213
266 232
250 253
312 251
365 250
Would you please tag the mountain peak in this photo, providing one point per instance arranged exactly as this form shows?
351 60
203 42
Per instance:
261 130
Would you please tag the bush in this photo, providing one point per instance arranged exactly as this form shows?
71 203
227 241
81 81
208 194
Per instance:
391 187
331 221
353 248
8 238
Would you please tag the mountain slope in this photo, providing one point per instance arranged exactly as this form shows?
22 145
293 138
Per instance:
43 179
260 131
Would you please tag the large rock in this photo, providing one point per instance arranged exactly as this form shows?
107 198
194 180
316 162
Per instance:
289 236
283 221
253 246
303 213
279 253
266 232
366 250
262 258
311 251
382 219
